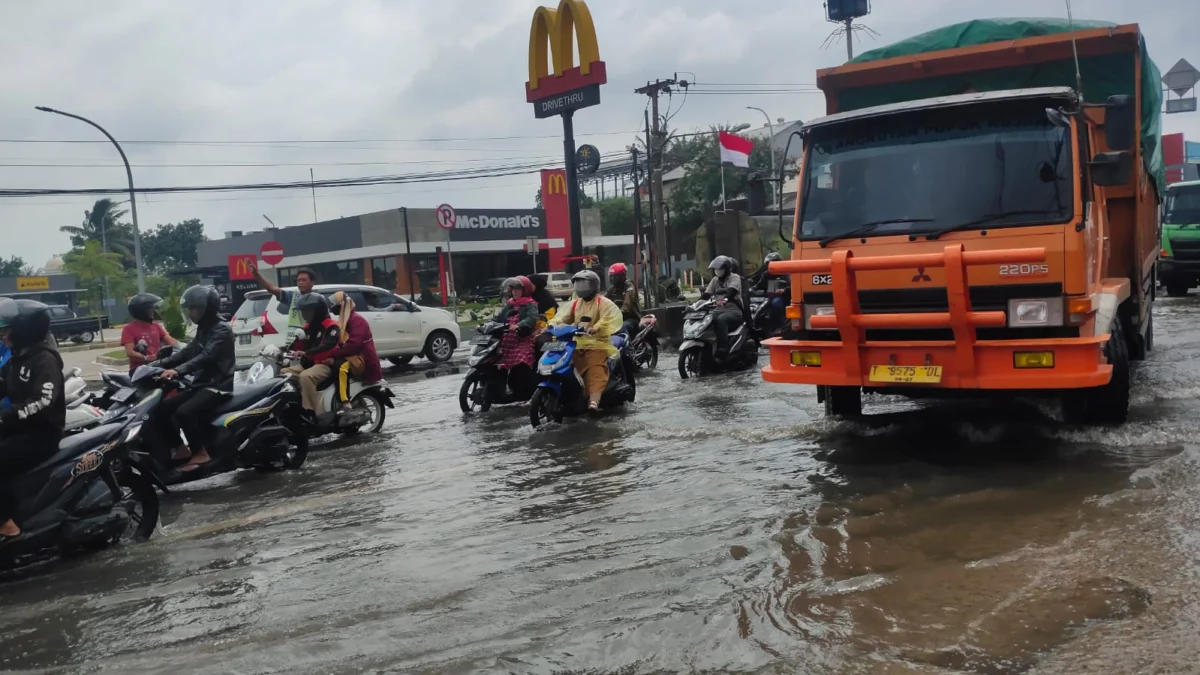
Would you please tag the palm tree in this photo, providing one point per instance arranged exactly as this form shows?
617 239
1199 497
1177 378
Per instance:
103 223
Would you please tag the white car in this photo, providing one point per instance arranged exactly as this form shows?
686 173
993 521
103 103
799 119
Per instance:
400 334
559 285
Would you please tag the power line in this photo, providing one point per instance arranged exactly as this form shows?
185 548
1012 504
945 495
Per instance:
270 164
429 177
275 143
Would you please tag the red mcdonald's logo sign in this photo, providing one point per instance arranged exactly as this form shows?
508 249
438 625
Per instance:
241 267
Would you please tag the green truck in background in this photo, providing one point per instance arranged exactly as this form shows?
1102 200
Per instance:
1179 260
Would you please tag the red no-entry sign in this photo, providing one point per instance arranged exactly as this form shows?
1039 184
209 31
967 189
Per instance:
271 253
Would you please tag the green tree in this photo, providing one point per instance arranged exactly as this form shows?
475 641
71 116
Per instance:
172 312
103 224
91 265
14 267
172 247
698 194
616 216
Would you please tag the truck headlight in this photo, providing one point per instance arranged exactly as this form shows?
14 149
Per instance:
1035 312
816 310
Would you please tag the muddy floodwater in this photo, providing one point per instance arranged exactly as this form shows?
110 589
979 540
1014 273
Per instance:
717 526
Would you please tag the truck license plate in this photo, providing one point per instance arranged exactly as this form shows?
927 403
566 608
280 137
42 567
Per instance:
906 374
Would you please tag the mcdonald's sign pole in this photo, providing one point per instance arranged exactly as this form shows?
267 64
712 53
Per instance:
557 86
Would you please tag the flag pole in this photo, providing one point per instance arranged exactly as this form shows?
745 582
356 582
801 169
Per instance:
721 169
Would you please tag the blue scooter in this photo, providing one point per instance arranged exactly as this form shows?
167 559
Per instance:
560 393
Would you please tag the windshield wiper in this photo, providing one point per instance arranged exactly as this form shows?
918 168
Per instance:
869 227
978 221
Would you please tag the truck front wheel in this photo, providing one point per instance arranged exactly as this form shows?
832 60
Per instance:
1177 289
1108 404
843 401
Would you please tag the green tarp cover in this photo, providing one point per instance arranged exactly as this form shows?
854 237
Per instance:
1103 76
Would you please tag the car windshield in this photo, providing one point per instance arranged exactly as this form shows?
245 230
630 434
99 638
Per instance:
990 165
1183 205
250 309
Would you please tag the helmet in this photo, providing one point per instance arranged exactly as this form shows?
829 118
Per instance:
520 282
145 306
539 281
722 265
26 322
772 257
338 299
617 268
586 283
205 300
313 307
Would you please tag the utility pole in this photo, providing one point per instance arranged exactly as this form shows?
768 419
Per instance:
849 39
637 226
655 136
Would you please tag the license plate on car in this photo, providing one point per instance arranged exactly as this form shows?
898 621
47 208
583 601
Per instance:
480 340
907 374
244 339
554 347
124 394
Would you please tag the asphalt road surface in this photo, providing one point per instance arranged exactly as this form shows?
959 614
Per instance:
719 525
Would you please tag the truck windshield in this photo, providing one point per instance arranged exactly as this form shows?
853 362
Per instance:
1183 205
972 167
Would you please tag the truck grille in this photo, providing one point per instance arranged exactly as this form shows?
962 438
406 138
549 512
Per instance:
1186 249
914 300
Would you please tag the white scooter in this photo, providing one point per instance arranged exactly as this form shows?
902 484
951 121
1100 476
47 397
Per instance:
368 400
80 415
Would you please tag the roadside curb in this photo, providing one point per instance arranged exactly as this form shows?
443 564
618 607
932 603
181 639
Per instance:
108 361
91 346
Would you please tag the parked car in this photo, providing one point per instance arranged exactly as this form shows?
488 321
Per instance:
67 326
559 285
401 334
488 291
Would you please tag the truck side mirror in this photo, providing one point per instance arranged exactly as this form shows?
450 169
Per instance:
1120 123
756 195
1111 168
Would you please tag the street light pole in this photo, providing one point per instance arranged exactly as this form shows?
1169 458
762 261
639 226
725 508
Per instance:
137 237
771 128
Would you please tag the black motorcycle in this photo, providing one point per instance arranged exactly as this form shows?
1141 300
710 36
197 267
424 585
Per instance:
487 383
643 343
94 492
698 353
259 426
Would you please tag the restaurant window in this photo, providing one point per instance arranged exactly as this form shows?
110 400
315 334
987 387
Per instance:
383 272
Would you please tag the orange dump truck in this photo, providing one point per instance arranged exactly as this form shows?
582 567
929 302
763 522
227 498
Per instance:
977 212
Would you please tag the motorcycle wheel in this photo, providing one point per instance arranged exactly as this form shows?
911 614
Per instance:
543 407
140 501
294 458
690 362
473 394
375 409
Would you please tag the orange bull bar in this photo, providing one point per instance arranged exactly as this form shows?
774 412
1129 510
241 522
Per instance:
963 363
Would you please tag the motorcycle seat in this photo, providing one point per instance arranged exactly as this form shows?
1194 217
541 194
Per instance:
618 340
75 445
247 395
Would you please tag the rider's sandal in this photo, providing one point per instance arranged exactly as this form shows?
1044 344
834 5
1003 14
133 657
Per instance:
188 468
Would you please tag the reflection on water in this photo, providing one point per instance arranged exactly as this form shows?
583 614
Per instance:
718 525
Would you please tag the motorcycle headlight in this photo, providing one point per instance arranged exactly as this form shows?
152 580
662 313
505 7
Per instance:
696 329
1035 312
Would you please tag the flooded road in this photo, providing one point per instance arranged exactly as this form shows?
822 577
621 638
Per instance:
717 526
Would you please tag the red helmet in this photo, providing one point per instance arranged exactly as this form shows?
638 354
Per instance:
617 268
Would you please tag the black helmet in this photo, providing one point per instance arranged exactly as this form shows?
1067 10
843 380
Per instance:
314 307
586 283
539 281
204 299
27 322
773 256
145 306
722 262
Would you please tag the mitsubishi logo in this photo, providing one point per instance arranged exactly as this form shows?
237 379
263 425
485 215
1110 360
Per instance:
921 276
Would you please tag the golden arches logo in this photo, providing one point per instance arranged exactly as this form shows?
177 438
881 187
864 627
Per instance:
560 29
556 184
243 267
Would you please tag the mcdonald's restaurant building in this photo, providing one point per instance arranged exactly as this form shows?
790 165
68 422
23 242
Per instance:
405 249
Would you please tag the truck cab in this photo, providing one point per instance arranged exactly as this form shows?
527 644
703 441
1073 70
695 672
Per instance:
990 242
1179 259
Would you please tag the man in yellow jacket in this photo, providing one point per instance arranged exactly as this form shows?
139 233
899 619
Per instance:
602 319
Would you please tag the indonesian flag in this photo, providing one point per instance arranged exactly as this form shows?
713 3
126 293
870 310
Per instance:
735 150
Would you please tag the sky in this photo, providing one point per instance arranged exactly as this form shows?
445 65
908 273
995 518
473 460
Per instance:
372 87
